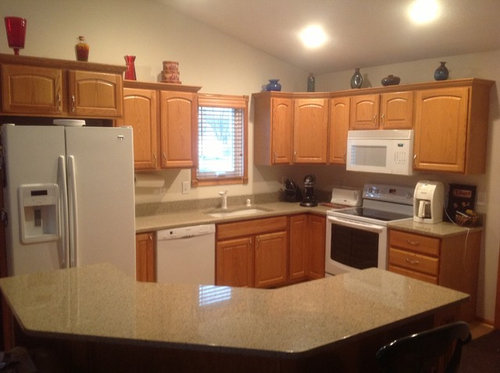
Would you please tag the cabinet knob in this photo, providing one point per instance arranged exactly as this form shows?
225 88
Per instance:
154 159
59 101
73 103
382 117
413 243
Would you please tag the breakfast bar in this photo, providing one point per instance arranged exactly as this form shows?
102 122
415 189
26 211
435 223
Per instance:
115 319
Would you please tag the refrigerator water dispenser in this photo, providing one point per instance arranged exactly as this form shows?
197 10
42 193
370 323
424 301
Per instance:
39 212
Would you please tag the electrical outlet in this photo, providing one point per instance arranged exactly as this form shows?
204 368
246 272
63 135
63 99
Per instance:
186 187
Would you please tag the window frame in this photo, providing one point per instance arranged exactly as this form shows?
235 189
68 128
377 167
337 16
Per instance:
223 101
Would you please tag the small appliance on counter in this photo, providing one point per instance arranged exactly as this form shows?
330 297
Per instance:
292 191
428 201
345 197
309 197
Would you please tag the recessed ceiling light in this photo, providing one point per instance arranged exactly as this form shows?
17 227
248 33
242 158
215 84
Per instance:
424 11
313 36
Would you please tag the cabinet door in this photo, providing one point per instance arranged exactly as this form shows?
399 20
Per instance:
339 125
298 247
317 236
364 112
145 257
140 110
34 90
281 130
235 263
441 129
310 131
95 94
270 259
178 128
396 110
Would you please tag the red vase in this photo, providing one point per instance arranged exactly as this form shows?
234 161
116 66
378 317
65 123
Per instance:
130 72
15 28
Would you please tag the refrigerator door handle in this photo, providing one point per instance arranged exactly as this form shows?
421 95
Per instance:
63 224
72 211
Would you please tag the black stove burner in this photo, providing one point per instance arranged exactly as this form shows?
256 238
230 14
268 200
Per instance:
374 214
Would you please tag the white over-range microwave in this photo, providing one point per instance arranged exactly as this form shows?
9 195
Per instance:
380 151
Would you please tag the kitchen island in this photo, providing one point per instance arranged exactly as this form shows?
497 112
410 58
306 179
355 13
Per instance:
98 319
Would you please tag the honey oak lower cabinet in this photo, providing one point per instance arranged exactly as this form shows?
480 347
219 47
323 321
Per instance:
252 253
307 247
450 261
145 257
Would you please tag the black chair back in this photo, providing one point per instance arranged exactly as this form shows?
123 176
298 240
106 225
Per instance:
434 350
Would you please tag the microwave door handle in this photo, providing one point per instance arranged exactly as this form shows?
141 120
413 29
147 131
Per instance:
357 224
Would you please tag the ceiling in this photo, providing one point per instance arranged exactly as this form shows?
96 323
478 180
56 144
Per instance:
361 32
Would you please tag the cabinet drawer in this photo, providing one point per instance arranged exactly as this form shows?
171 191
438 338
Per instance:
415 262
414 242
251 227
413 274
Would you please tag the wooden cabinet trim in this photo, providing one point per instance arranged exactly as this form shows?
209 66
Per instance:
250 227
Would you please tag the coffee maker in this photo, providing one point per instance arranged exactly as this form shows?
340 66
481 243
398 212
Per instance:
309 198
428 201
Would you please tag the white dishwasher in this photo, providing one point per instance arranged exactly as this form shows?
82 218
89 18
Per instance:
186 255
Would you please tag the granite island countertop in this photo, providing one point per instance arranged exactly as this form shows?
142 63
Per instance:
100 303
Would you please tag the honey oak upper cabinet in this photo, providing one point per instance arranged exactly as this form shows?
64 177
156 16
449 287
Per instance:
396 110
273 129
310 130
391 110
179 128
140 110
339 125
95 94
451 127
164 122
48 87
364 112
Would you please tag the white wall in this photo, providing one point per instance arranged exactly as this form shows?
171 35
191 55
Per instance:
220 64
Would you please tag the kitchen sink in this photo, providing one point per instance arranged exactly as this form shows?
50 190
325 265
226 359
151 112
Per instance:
245 211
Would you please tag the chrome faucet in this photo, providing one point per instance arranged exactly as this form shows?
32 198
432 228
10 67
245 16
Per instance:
223 196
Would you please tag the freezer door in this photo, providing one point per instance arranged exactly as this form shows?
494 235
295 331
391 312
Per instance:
101 196
31 157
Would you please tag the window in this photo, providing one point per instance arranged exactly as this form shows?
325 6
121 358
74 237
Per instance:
222 140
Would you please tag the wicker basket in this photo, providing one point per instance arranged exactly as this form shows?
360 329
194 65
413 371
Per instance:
467 220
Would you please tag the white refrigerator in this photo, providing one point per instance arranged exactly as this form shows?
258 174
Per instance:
69 197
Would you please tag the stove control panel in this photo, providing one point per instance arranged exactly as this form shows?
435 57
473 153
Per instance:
389 193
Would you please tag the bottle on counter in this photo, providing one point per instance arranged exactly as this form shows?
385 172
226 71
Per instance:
82 49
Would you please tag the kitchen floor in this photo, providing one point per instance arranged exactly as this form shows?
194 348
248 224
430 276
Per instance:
478 329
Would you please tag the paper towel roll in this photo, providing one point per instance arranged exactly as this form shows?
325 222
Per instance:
149 181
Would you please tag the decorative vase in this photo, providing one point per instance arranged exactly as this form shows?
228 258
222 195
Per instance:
391 80
441 72
273 85
356 79
15 27
311 83
82 49
130 71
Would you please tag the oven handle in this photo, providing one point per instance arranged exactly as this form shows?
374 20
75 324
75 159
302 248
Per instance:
357 224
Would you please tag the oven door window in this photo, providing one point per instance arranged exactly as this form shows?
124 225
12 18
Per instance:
354 247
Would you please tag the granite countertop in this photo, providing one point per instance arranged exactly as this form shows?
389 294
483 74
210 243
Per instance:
100 303
443 229
200 216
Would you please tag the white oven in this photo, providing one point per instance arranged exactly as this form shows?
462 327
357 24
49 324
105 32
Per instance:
356 238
